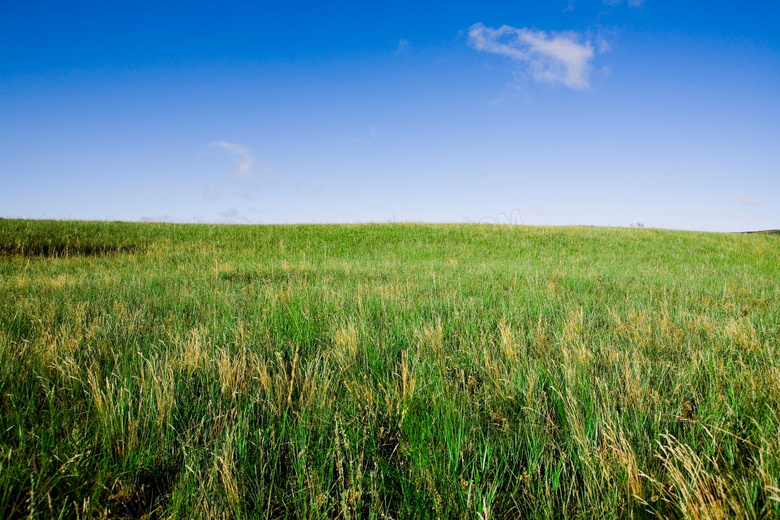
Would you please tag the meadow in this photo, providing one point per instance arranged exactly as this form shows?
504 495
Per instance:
387 371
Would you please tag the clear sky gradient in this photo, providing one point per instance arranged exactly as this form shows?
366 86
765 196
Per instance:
549 112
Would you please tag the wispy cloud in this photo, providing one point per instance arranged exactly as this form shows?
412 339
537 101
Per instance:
212 193
403 45
749 201
163 218
242 154
550 57
631 3
233 216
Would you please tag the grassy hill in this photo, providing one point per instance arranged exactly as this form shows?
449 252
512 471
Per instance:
387 371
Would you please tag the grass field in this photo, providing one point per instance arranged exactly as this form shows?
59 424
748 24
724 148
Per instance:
387 371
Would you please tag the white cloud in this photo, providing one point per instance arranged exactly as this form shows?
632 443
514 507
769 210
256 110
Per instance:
551 58
241 153
749 201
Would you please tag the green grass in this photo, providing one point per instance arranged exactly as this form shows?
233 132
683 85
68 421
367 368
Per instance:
387 371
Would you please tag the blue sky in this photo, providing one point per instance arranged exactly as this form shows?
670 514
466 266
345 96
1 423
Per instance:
551 112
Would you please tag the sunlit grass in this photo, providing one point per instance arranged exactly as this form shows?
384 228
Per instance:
387 371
